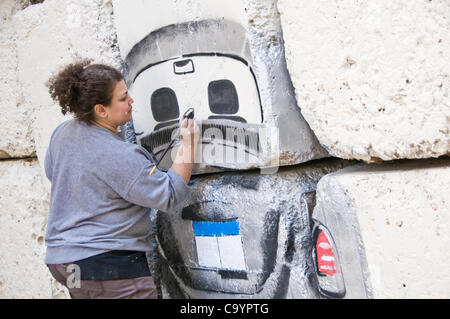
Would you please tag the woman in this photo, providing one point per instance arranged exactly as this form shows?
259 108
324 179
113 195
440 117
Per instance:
99 228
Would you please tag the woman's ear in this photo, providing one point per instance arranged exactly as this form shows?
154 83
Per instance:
101 111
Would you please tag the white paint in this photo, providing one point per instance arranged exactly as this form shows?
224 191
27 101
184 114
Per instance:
231 252
327 258
192 89
220 252
34 44
208 252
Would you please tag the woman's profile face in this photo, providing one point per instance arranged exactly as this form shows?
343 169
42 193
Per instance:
119 111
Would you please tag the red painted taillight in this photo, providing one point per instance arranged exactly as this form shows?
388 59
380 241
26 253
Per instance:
329 276
325 255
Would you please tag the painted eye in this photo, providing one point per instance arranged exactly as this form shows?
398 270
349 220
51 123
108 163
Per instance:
164 105
222 97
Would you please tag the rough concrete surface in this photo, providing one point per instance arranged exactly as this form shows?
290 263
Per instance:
24 202
40 40
372 81
372 77
389 222
16 138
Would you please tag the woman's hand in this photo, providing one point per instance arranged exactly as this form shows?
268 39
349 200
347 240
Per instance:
184 160
189 134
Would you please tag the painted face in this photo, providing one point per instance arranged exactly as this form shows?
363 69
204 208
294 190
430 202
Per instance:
227 241
119 111
224 94
217 87
242 234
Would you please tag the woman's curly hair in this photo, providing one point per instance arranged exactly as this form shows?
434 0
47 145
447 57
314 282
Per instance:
81 85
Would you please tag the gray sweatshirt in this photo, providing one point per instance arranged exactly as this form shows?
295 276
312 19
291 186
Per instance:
102 193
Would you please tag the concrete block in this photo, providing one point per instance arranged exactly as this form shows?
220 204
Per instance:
16 137
24 205
371 77
389 223
57 33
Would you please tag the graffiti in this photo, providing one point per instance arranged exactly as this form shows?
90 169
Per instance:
220 85
235 238
215 245
239 88
232 238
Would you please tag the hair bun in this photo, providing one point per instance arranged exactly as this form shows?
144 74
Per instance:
81 85
64 86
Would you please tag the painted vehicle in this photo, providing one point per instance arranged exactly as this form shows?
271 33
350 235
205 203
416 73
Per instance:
234 239
218 83
213 250
338 257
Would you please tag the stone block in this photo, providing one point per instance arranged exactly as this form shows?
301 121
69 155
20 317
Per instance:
24 205
38 41
16 137
371 77
389 223
178 51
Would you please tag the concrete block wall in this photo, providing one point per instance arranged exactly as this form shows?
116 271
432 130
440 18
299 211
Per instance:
37 38
371 79
389 222
24 201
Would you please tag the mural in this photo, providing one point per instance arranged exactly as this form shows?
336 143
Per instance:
176 58
240 234
221 87
236 238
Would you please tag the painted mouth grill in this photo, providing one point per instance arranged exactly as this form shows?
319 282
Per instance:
236 134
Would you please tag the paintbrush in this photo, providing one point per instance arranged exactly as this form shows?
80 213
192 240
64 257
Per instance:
189 114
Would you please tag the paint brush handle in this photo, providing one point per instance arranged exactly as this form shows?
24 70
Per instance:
189 114
165 151
162 156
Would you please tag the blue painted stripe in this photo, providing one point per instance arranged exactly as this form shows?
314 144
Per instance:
215 229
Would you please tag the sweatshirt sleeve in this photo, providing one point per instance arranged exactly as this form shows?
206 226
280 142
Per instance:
48 161
127 172
161 190
48 164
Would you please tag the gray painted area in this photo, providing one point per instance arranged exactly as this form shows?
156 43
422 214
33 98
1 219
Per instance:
206 36
274 237
335 211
